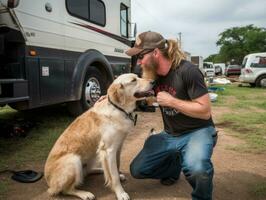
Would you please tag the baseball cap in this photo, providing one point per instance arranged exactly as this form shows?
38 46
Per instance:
147 40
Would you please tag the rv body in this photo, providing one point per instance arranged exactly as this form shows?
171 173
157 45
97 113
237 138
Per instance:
61 51
197 60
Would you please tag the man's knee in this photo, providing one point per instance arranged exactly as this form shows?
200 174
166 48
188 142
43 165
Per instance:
199 170
140 171
135 171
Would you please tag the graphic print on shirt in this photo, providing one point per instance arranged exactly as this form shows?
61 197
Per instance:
166 88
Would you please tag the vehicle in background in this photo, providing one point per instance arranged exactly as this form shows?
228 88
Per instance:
217 70
62 51
221 65
197 60
208 69
254 69
232 70
188 56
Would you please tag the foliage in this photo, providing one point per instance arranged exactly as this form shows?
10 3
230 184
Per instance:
210 58
259 189
237 42
16 151
215 58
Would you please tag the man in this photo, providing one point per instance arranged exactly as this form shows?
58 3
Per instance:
188 138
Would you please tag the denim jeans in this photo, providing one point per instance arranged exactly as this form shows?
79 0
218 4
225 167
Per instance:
165 155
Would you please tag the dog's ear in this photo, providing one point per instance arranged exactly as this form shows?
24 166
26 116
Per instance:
117 93
121 94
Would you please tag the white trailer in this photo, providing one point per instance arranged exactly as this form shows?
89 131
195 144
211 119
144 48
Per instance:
197 60
61 51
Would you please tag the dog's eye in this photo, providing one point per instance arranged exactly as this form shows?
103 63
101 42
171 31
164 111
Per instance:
134 80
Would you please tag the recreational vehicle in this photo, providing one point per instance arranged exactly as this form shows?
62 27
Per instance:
61 51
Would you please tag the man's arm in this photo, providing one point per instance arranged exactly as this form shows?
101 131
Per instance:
197 108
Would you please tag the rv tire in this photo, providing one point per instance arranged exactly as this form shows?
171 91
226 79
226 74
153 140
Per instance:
93 87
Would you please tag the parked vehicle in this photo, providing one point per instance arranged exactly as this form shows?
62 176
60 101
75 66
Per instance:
254 69
221 65
208 69
197 60
217 70
61 51
232 70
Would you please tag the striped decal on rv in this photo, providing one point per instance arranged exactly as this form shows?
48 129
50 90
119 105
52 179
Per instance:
111 35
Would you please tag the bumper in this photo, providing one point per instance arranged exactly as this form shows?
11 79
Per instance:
247 79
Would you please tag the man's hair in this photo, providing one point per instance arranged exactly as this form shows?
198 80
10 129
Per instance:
173 52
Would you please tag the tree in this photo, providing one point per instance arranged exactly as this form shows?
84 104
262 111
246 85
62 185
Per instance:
237 42
215 58
210 58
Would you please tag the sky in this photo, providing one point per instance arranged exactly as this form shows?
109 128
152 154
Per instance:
199 21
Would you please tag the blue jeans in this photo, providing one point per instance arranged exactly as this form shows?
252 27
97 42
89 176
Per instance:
165 155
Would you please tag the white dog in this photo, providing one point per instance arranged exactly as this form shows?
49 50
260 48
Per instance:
98 133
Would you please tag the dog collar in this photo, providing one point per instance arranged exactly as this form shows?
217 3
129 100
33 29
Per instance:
128 115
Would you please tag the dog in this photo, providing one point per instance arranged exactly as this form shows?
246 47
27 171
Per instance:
96 137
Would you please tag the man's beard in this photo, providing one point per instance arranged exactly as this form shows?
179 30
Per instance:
149 70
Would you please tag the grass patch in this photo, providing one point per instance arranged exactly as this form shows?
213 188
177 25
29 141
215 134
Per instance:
19 152
49 124
247 119
3 188
258 190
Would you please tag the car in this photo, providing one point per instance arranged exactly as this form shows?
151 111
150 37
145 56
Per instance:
254 69
232 70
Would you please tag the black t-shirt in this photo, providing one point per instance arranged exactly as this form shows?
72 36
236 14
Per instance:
186 82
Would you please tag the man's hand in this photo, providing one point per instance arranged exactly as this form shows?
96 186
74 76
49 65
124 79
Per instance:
165 99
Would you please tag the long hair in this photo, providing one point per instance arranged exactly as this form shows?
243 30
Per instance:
173 52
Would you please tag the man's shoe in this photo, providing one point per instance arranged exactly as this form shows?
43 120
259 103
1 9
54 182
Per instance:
168 181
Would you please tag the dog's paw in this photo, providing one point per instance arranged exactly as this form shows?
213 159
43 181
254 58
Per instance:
122 177
87 196
123 196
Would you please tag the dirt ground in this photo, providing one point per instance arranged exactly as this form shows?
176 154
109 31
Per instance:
235 173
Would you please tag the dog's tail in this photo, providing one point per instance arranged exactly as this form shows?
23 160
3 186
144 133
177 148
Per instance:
103 158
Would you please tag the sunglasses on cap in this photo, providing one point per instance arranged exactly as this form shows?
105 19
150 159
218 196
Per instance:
141 55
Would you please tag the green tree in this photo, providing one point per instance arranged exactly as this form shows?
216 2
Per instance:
210 58
237 42
215 58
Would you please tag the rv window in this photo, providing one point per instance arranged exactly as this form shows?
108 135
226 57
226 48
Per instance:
97 12
123 20
78 8
90 10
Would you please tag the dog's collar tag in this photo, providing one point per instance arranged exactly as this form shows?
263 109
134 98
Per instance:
133 118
